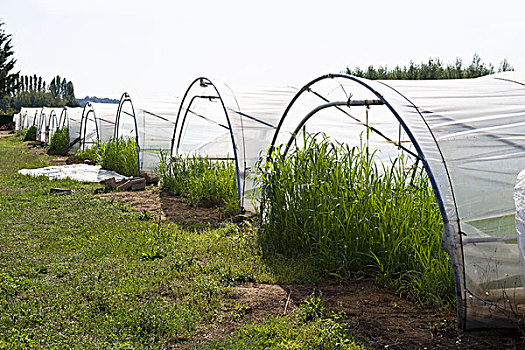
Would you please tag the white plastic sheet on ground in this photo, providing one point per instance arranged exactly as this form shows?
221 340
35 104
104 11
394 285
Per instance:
78 172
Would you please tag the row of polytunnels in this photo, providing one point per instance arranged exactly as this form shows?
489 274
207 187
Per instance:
463 140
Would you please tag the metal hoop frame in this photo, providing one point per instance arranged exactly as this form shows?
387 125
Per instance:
458 263
126 98
88 108
205 82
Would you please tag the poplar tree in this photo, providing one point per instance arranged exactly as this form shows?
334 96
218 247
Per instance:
8 78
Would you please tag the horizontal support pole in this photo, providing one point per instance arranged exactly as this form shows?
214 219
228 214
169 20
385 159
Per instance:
489 239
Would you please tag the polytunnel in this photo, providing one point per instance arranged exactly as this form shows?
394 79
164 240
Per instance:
216 122
150 122
40 123
46 122
469 136
70 117
17 120
28 116
97 123
52 123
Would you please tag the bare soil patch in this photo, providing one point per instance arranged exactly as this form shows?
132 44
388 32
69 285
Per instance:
247 303
168 207
178 210
387 321
148 200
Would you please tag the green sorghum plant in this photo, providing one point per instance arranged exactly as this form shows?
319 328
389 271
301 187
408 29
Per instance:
203 181
59 142
333 204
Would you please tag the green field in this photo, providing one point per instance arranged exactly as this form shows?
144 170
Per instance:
78 271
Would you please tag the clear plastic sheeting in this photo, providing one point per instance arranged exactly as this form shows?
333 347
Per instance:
45 119
150 121
216 122
97 123
469 135
28 116
71 118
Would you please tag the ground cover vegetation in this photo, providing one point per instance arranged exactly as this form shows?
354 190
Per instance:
118 154
334 208
202 181
82 271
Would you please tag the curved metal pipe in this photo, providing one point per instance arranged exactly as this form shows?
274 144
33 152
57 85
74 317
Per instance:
83 122
205 82
123 99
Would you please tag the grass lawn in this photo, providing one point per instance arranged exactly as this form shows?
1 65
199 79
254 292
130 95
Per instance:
79 271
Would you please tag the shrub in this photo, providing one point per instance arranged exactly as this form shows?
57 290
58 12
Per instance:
31 134
59 142
334 205
204 182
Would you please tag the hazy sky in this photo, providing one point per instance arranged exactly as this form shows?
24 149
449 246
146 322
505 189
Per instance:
157 47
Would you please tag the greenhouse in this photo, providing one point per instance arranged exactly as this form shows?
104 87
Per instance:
216 122
150 122
468 136
97 123
41 123
27 117
70 117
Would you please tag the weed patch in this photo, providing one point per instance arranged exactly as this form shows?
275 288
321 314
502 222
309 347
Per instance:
204 182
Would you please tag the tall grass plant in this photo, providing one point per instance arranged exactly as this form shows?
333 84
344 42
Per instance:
118 154
334 205
59 142
30 134
203 181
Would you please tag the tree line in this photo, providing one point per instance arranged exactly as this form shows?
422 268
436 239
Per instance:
18 90
58 87
433 69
